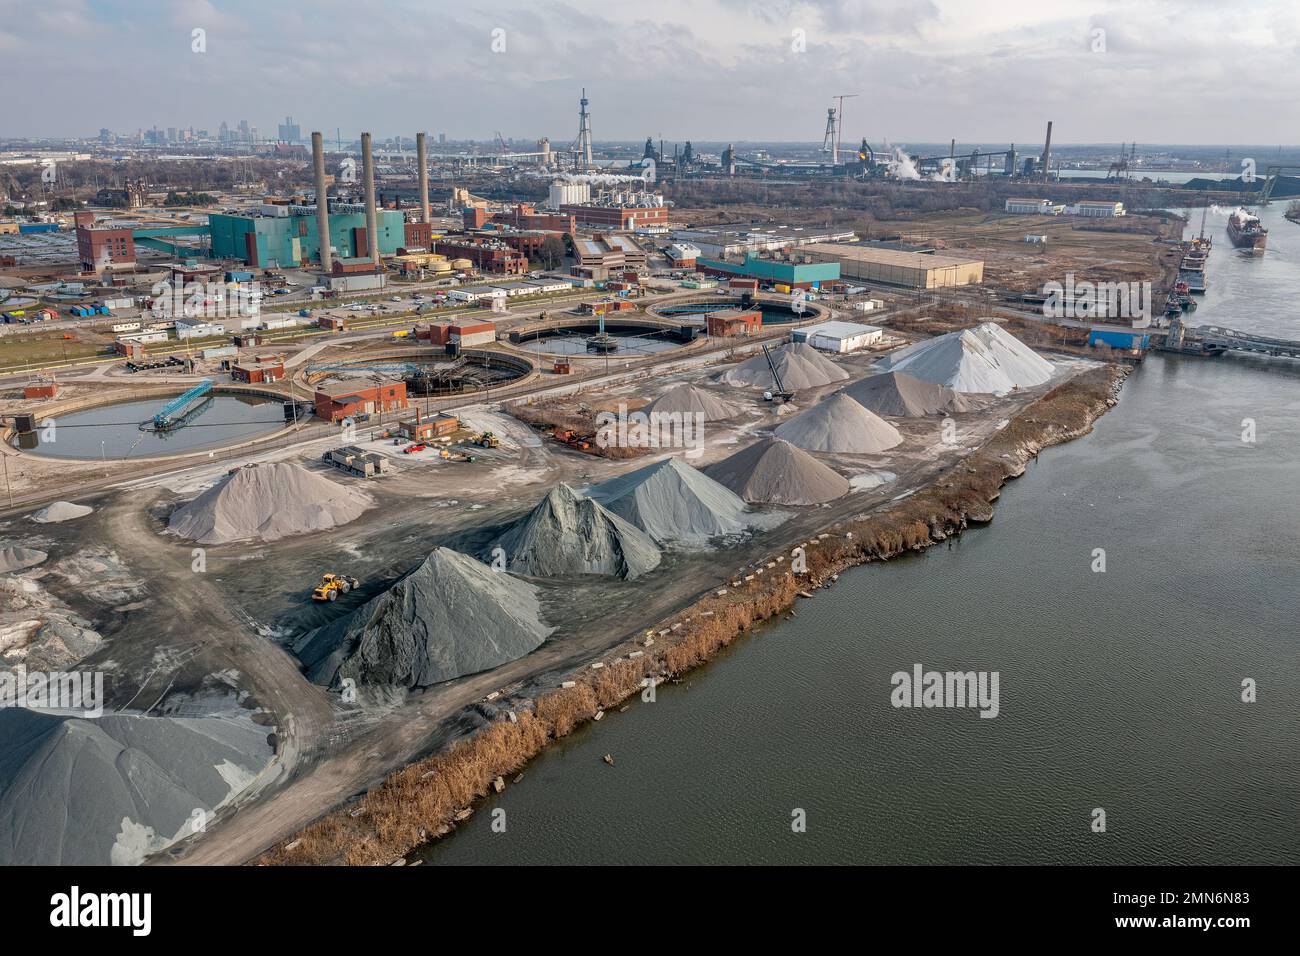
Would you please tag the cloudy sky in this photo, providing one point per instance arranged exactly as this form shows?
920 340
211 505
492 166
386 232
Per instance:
1158 71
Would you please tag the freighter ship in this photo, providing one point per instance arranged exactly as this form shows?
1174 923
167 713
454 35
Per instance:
1246 232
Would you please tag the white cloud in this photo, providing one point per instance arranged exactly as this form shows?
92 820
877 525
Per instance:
1172 70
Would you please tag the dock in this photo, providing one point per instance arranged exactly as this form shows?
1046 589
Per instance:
1208 340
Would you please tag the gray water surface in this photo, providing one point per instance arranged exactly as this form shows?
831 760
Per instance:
1118 690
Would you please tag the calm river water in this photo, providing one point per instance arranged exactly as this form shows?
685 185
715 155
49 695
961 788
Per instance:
1118 690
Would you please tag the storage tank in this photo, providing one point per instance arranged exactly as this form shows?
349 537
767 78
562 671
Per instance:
460 265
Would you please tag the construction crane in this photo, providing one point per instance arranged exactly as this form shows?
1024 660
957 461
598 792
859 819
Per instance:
780 391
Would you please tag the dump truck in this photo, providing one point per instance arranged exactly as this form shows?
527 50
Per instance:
355 461
332 585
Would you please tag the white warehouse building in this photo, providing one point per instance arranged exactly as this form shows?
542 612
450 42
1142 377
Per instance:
839 336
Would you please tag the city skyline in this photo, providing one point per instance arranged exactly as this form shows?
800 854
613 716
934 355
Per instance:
714 70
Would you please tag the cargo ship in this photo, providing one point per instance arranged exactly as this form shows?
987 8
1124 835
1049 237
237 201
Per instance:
1246 232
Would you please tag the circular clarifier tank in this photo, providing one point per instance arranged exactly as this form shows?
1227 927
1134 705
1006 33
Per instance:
113 431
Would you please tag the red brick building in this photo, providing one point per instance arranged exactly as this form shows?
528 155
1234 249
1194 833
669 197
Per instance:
622 218
103 247
524 216
340 400
487 255
418 235
734 322
263 369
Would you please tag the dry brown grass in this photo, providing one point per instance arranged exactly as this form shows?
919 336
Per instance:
420 802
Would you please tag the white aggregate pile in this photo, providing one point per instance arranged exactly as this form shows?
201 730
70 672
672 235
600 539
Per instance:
905 396
839 424
267 502
95 792
674 503
800 365
776 472
17 558
61 511
567 534
449 617
692 400
986 358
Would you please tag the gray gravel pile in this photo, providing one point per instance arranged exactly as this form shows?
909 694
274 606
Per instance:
267 502
691 400
61 511
773 471
17 558
449 617
800 365
568 534
674 503
94 792
905 396
986 358
841 425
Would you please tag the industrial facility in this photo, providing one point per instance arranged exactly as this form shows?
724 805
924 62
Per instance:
913 270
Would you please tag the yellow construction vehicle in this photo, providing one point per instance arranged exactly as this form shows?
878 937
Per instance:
331 585
485 440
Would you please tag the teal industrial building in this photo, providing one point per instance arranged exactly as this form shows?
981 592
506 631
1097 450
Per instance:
796 275
264 241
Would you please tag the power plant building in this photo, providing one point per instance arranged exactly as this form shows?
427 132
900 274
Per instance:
290 239
913 270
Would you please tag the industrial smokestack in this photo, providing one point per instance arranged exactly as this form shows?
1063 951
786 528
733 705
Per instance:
1047 153
322 202
372 215
422 157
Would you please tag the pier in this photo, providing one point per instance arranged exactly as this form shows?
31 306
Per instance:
1215 340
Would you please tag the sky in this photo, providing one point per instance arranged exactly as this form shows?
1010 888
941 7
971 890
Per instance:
1154 71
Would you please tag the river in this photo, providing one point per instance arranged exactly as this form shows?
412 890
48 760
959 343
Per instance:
1118 690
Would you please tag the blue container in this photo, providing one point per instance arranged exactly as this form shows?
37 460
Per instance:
1118 339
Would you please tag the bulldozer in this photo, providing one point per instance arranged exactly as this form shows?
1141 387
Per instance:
485 440
331 585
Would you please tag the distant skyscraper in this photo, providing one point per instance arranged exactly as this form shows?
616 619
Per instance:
289 131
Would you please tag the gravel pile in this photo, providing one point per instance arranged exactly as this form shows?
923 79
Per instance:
567 534
986 358
800 365
95 792
674 503
61 511
773 471
691 400
839 424
904 396
449 617
266 502
16 558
